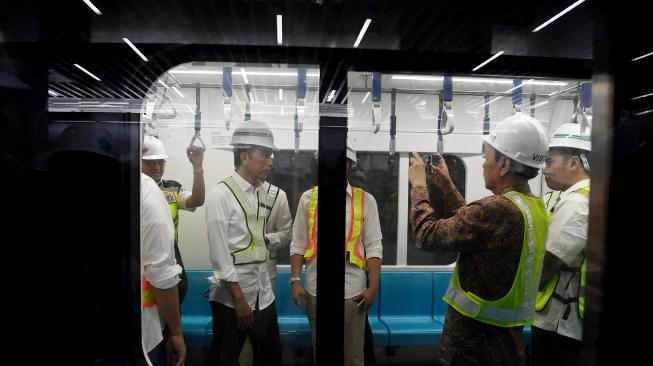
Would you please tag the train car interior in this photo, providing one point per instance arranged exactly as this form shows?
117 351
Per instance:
99 96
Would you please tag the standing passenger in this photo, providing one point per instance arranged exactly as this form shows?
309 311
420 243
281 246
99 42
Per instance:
160 300
278 231
242 301
278 226
500 240
154 162
558 327
363 253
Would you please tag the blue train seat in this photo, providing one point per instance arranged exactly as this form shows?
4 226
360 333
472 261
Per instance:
196 311
293 323
408 311
406 303
380 330
440 285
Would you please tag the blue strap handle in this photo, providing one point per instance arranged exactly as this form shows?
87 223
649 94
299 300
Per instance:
586 92
517 92
227 83
198 121
376 87
447 85
301 83
393 116
198 114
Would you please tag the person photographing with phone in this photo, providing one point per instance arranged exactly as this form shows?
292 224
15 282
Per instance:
500 244
363 254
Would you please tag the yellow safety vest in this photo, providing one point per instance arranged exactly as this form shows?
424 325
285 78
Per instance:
147 294
256 251
352 251
172 198
517 307
170 190
544 296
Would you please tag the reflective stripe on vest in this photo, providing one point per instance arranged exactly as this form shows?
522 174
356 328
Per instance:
517 307
256 252
147 294
172 198
270 200
311 251
544 296
352 247
585 191
552 200
581 289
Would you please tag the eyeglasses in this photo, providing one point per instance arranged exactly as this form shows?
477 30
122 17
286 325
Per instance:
266 154
152 163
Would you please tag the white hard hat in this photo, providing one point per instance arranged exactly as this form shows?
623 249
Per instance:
155 149
351 153
569 135
253 133
520 138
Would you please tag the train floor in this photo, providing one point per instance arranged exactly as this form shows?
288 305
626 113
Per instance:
414 356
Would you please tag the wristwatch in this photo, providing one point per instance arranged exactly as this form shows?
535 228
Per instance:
293 279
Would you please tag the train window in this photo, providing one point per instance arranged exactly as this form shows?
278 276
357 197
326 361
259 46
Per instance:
417 256
294 173
377 173
258 93
215 100
411 107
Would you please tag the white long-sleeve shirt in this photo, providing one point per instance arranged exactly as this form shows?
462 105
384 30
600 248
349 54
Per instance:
566 240
278 227
370 243
158 264
227 231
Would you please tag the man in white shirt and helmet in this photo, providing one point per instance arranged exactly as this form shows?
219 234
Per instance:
560 305
241 299
363 254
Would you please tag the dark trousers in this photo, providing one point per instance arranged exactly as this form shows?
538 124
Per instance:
228 339
550 348
368 349
182 286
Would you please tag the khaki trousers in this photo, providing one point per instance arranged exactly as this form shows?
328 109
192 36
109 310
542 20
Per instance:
354 329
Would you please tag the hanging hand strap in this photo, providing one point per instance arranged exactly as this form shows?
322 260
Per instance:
393 120
532 101
299 105
486 116
198 121
516 95
586 110
227 86
376 101
248 103
446 121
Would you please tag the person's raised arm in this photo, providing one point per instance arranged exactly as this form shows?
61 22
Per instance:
196 157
